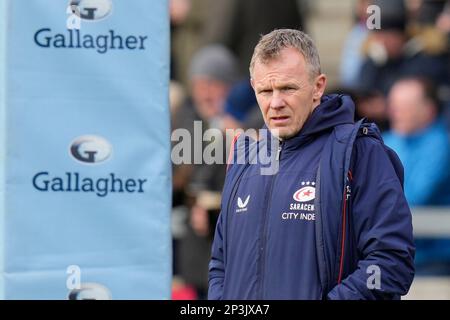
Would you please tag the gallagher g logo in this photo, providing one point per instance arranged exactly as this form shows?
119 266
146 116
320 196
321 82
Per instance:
91 9
90 149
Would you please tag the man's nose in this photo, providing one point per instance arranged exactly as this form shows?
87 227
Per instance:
277 101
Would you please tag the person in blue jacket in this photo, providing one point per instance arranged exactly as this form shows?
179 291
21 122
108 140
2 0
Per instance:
420 137
307 231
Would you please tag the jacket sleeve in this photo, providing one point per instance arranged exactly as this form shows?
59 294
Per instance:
381 226
216 264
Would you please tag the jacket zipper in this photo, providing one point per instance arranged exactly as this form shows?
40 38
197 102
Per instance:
262 247
347 194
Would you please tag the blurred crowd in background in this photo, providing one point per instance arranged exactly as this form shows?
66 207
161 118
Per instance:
398 76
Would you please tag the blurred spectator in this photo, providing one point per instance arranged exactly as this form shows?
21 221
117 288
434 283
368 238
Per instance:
352 56
417 131
423 31
212 72
420 138
238 24
392 54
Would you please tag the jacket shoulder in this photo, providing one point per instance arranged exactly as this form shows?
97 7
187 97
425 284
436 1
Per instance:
371 151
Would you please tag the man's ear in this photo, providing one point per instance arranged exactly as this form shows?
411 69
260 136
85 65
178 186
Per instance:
252 83
320 84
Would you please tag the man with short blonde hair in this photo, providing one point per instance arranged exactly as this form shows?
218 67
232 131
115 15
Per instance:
273 43
332 222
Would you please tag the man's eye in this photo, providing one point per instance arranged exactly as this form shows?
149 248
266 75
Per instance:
266 91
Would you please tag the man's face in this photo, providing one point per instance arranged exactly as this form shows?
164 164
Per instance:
209 96
285 93
408 110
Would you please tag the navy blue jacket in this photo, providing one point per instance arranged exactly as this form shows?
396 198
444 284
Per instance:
279 238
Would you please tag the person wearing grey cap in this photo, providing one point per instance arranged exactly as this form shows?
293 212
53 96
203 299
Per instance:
212 73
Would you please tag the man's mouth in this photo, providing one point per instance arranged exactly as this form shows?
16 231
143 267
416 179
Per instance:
279 120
